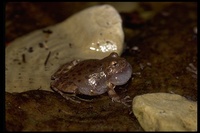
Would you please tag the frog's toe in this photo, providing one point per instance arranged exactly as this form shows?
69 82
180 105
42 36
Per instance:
71 98
66 96
126 103
127 99
115 99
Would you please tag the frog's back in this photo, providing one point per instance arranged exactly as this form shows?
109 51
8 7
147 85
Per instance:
82 70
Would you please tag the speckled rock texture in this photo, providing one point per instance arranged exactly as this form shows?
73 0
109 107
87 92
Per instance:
165 112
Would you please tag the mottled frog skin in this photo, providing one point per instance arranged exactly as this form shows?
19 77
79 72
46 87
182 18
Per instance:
92 77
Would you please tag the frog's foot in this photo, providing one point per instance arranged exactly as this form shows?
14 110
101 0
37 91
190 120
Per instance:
71 98
83 99
127 99
124 100
66 96
115 97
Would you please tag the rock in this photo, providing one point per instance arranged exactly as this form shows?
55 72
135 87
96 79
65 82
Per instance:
32 59
165 112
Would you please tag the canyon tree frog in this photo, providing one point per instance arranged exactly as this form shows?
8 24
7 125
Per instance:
92 77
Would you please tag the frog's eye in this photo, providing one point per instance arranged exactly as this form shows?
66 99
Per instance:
113 54
114 63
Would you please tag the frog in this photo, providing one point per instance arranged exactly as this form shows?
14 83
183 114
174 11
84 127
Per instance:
92 77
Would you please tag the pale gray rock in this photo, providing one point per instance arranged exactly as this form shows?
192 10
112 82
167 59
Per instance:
92 33
165 112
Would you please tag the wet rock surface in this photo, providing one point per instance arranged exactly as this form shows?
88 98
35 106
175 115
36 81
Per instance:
163 50
163 53
47 111
165 112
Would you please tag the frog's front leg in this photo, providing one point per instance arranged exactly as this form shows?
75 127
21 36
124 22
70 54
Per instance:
64 69
115 97
111 92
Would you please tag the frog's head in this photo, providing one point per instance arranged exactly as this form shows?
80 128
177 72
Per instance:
117 69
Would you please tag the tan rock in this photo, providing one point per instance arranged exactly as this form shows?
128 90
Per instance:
92 33
165 112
